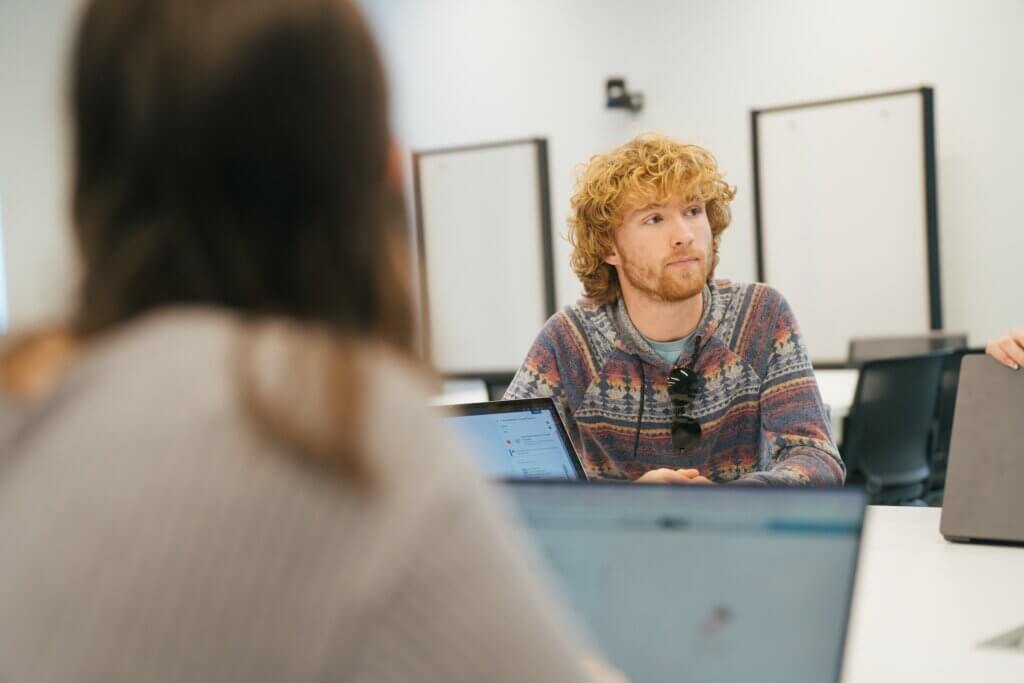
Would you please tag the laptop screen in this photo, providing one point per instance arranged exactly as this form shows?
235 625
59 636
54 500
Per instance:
518 439
703 583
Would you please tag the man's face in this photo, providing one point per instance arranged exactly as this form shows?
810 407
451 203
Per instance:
664 252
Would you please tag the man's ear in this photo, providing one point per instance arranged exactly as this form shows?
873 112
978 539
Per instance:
612 258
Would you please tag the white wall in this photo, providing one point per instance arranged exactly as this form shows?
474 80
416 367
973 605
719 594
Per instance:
476 71
34 37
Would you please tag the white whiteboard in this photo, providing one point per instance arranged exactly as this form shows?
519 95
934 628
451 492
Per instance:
844 228
485 254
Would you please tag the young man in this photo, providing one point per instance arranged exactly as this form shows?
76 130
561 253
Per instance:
660 372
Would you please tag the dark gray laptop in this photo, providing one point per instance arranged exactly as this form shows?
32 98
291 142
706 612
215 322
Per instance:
984 497
686 583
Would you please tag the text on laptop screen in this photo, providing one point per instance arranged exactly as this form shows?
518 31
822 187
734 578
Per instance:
699 585
524 444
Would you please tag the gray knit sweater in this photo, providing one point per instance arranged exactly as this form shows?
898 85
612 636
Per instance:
148 533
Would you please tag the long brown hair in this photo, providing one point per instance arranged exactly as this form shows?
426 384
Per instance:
234 153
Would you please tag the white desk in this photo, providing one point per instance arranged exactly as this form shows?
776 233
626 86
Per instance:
461 391
923 605
837 388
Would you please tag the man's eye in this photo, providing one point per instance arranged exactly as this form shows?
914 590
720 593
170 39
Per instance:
695 211
652 220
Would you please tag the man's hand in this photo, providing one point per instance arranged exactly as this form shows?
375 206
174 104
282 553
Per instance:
1008 350
664 475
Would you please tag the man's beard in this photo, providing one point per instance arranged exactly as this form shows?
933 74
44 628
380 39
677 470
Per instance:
666 286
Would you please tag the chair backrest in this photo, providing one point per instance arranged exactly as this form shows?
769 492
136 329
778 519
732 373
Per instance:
891 424
947 402
876 348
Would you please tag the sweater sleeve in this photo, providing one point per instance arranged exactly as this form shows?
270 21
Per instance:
470 608
550 371
794 425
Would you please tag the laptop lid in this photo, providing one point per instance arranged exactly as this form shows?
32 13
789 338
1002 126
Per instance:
522 439
703 583
985 472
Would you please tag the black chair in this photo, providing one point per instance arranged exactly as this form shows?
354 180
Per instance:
497 384
876 348
891 428
944 423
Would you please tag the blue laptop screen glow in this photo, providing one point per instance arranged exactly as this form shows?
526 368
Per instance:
695 585
524 444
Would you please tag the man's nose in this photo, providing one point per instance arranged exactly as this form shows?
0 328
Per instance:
682 234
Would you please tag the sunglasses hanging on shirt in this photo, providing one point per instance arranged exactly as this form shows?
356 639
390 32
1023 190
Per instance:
682 388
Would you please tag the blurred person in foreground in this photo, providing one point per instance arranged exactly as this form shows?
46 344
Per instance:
223 468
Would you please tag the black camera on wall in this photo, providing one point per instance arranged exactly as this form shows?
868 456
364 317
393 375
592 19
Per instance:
617 97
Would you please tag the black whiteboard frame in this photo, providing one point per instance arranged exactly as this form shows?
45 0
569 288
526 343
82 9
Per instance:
931 194
547 248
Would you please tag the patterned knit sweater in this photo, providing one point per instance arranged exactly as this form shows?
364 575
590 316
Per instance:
761 415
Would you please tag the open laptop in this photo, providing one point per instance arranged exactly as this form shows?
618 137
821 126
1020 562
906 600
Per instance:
703 583
983 499
523 439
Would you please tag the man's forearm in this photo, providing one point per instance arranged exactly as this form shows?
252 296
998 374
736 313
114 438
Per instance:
801 465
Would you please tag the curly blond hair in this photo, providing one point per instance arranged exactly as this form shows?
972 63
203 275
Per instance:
649 169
